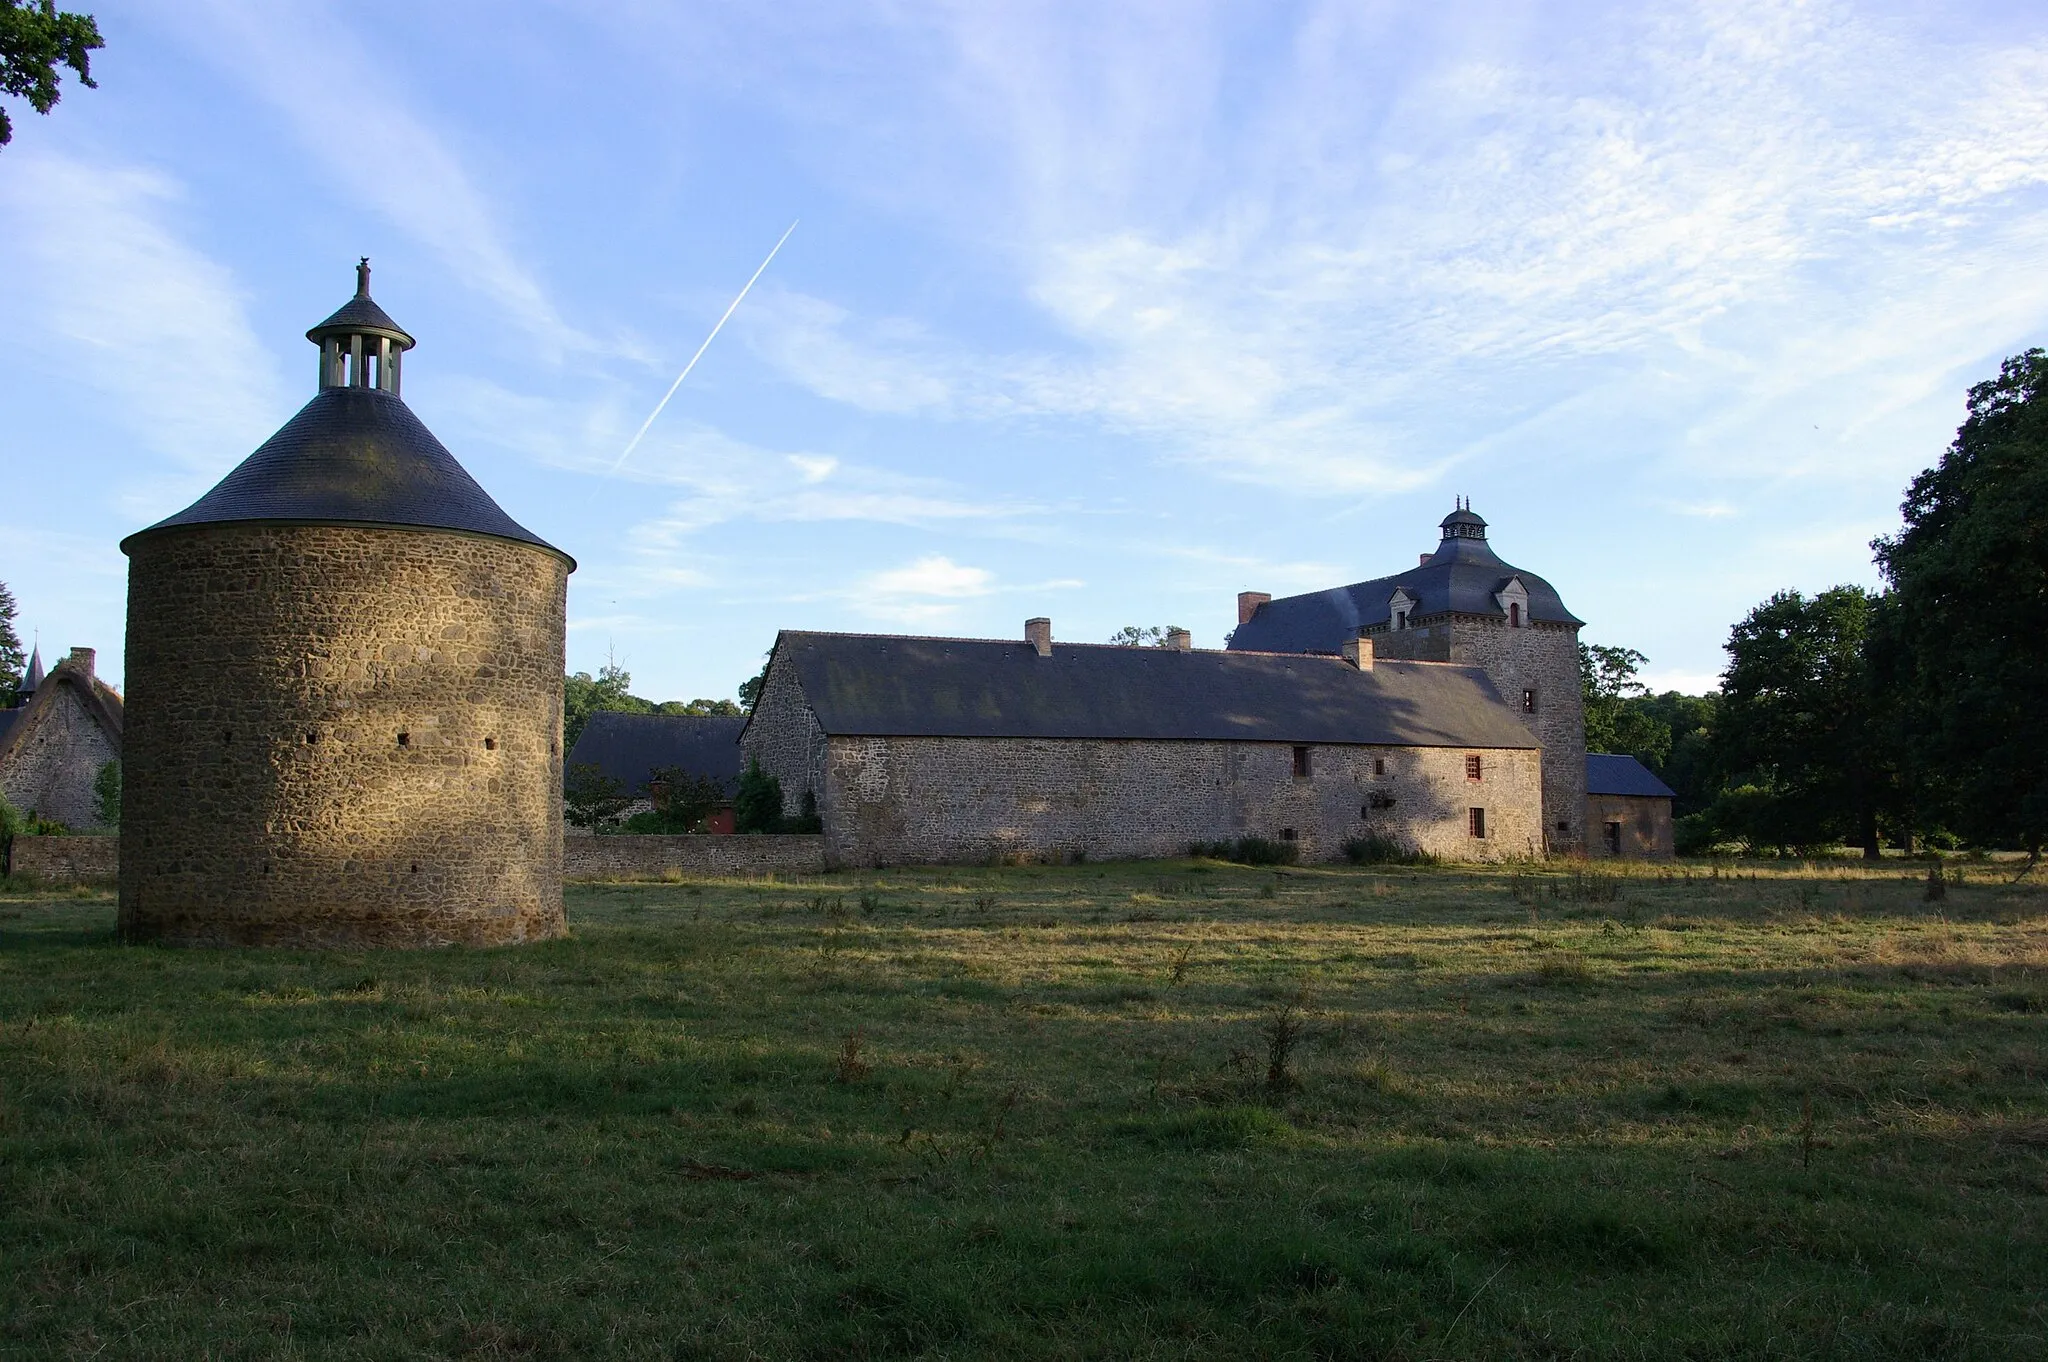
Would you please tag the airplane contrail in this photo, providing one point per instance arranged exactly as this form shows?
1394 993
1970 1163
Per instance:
634 443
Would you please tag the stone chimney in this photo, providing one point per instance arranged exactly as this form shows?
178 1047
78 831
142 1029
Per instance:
1248 603
1358 652
1425 557
81 661
1180 640
1038 633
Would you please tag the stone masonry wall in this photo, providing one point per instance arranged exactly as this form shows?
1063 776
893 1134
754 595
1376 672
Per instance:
634 857
340 736
905 800
1539 657
66 860
785 737
1646 832
53 767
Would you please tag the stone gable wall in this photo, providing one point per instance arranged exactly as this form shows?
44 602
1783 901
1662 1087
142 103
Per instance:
66 860
268 799
55 763
904 800
1539 656
784 735
634 857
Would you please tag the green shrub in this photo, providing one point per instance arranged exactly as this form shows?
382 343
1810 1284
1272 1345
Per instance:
1379 849
593 799
106 795
1248 851
758 805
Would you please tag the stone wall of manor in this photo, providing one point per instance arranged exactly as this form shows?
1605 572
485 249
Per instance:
1540 659
889 801
51 767
340 736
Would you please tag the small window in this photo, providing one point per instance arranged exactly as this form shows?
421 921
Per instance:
1474 769
1563 826
1514 614
405 740
1401 619
1379 766
1528 702
312 738
1613 831
1287 834
1301 763
1476 821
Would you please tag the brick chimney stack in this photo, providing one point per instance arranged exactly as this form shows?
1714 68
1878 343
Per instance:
1038 633
1248 603
81 660
1180 640
1359 653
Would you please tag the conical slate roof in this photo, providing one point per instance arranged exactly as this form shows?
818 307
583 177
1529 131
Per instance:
35 671
354 455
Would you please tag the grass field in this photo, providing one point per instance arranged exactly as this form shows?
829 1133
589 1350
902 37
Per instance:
1148 1111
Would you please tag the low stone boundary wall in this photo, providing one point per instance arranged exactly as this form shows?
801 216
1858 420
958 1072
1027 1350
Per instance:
630 856
67 860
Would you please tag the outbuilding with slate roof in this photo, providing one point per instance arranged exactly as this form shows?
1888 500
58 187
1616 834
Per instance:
1628 808
344 671
936 749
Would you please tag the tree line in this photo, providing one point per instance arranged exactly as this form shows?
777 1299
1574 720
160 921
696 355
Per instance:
1908 716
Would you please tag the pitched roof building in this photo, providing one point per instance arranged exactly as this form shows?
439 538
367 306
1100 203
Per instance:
626 747
940 749
54 743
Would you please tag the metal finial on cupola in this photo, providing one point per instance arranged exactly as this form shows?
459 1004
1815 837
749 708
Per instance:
360 345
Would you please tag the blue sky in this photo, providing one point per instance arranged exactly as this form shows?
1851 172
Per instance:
1102 312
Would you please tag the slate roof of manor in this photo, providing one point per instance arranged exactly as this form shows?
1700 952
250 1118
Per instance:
900 686
1611 774
627 746
1462 576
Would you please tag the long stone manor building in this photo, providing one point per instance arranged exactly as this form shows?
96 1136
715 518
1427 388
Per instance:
1438 709
1461 605
935 749
344 708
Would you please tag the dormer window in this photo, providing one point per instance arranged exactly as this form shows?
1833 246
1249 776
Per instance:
1400 606
1513 599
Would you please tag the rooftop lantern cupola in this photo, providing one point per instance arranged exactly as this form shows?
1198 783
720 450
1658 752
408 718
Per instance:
1462 523
360 345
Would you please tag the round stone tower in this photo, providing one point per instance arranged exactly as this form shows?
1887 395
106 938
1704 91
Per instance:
344 708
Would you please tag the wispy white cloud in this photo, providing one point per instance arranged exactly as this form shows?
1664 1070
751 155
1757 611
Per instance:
1304 277
98 270
377 149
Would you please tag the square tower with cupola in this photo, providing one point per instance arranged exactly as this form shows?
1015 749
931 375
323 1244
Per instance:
1463 605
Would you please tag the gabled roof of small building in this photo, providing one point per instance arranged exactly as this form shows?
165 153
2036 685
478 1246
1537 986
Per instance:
897 686
1463 576
627 746
100 700
1609 773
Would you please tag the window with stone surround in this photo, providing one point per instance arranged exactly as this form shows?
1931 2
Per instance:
1301 771
1475 769
1475 822
1379 766
1528 701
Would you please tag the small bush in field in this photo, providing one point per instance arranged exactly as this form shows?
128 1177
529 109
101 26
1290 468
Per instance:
1248 851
